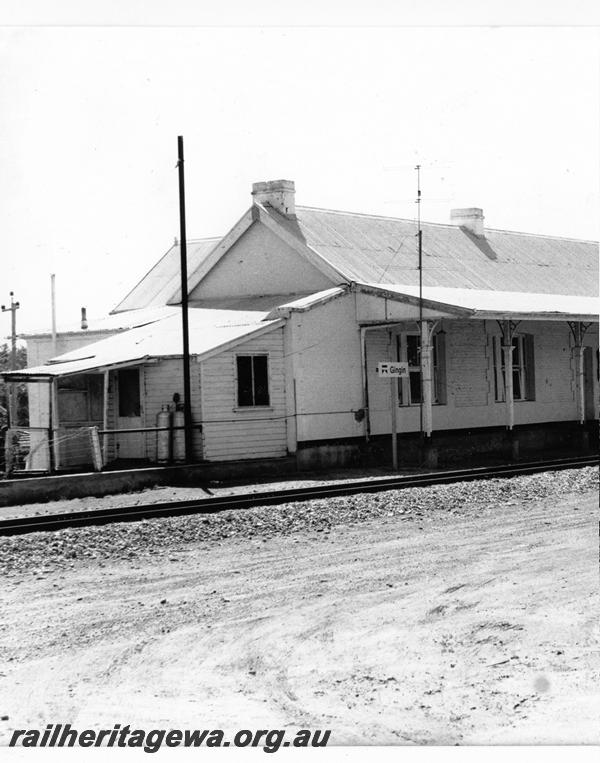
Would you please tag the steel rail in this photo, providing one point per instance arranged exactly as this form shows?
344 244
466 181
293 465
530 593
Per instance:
49 522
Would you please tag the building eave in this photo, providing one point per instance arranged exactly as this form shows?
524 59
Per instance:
454 310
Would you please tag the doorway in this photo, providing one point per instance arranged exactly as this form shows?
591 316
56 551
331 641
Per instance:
130 445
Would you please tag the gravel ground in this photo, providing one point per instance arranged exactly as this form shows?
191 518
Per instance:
38 553
459 614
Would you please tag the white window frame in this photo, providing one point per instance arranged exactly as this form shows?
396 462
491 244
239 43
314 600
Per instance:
404 398
254 406
518 342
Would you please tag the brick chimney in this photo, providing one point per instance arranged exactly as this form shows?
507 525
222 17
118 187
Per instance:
278 194
470 218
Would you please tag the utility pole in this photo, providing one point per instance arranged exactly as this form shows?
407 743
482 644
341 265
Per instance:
14 306
187 403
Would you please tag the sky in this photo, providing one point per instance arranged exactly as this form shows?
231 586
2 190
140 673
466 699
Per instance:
502 118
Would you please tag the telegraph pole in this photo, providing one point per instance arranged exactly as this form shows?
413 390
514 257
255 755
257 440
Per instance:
14 306
187 403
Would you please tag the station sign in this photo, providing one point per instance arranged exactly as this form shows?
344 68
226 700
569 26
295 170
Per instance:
398 369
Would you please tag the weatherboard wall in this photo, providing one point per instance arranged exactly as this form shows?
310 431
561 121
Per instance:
326 370
160 382
232 432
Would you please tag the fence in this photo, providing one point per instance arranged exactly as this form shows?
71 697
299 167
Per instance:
38 449
32 450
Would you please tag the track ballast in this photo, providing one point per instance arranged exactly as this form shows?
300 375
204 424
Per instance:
49 522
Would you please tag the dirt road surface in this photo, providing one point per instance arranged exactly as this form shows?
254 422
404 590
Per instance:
469 627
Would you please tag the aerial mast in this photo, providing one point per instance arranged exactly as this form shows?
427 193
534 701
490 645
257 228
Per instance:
53 311
420 250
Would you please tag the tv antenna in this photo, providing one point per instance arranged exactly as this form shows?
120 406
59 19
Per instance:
420 250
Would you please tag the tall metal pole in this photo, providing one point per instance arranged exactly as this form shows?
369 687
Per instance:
420 246
187 403
53 310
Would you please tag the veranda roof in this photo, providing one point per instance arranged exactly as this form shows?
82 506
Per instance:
209 330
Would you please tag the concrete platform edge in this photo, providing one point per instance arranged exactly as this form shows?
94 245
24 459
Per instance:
40 489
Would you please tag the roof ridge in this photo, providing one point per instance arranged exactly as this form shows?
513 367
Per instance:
361 214
443 225
543 235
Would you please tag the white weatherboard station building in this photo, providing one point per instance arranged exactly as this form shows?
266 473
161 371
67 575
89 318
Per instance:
292 311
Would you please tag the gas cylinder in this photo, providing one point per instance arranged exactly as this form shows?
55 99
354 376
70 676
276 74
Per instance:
178 437
163 436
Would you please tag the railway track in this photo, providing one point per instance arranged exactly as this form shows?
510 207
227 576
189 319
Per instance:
49 522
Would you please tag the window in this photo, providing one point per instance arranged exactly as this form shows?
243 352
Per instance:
413 355
79 398
523 372
409 349
252 380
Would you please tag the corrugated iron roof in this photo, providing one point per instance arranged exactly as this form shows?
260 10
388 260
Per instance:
111 323
375 249
383 250
163 280
502 303
209 330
